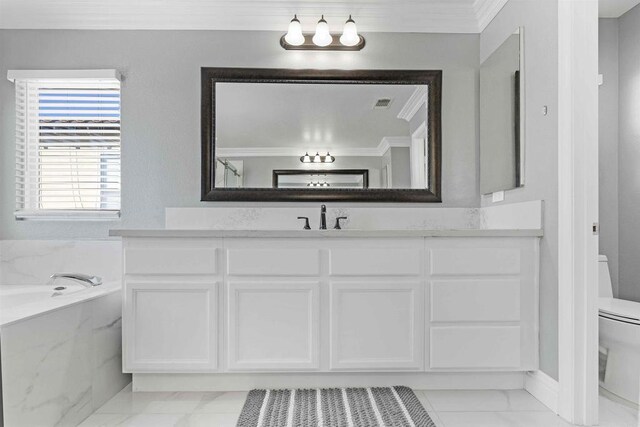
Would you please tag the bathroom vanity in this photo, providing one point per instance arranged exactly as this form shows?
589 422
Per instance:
224 302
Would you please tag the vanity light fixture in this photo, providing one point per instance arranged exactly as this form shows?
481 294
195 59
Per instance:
317 158
322 39
318 184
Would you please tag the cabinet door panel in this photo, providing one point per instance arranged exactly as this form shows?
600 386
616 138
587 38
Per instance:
171 327
273 326
377 326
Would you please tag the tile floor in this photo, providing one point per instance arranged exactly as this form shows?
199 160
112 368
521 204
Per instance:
448 408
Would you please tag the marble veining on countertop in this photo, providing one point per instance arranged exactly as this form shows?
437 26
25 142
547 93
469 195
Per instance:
327 233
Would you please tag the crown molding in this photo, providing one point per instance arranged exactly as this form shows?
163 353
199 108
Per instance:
417 99
486 10
437 16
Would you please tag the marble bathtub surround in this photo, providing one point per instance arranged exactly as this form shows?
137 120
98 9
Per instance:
31 262
59 367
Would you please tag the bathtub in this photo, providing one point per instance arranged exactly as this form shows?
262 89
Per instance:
60 352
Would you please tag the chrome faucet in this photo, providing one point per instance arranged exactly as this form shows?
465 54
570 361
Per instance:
85 279
323 217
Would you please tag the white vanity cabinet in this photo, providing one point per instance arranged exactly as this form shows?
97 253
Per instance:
171 309
330 304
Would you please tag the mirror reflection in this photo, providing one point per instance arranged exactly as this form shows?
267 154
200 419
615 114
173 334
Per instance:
321 136
501 117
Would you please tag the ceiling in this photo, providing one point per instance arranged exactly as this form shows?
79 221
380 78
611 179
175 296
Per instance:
616 8
307 116
444 16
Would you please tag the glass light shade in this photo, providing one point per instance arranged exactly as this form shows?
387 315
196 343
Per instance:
306 158
350 35
317 159
322 37
294 35
329 158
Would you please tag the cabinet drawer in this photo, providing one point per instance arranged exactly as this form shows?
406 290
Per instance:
475 347
475 300
170 260
276 261
375 262
475 261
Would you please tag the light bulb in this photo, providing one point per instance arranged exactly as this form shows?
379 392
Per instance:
317 158
294 35
350 35
322 37
329 158
306 158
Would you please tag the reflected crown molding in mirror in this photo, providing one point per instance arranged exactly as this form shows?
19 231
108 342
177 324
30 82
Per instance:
417 99
431 143
384 145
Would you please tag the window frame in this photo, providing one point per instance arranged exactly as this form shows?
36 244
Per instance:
24 209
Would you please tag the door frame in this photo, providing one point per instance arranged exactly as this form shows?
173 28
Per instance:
578 211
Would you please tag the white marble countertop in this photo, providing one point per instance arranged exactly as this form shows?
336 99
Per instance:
327 233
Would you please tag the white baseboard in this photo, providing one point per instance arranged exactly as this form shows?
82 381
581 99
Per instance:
542 387
243 382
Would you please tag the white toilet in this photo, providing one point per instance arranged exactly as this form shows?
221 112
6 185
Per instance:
619 322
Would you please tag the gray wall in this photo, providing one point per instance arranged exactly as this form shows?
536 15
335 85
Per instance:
161 106
608 145
540 22
401 167
629 154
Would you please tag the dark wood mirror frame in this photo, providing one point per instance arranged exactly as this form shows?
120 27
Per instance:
211 76
364 173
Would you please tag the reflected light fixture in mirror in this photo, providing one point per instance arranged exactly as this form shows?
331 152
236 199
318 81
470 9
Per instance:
306 158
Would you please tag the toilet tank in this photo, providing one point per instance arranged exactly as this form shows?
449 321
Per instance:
604 278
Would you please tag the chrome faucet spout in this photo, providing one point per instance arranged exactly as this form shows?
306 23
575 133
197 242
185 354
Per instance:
84 279
323 217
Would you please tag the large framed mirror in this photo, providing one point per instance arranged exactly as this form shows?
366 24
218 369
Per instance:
502 124
364 135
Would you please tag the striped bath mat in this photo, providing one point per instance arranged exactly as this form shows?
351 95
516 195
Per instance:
336 407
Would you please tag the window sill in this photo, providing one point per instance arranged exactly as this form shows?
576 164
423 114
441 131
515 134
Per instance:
67 215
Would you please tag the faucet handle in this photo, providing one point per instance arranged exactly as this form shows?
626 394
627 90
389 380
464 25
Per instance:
306 222
337 226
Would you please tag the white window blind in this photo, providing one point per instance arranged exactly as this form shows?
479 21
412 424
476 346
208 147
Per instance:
67 147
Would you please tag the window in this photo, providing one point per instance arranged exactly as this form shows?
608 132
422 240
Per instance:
67 144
